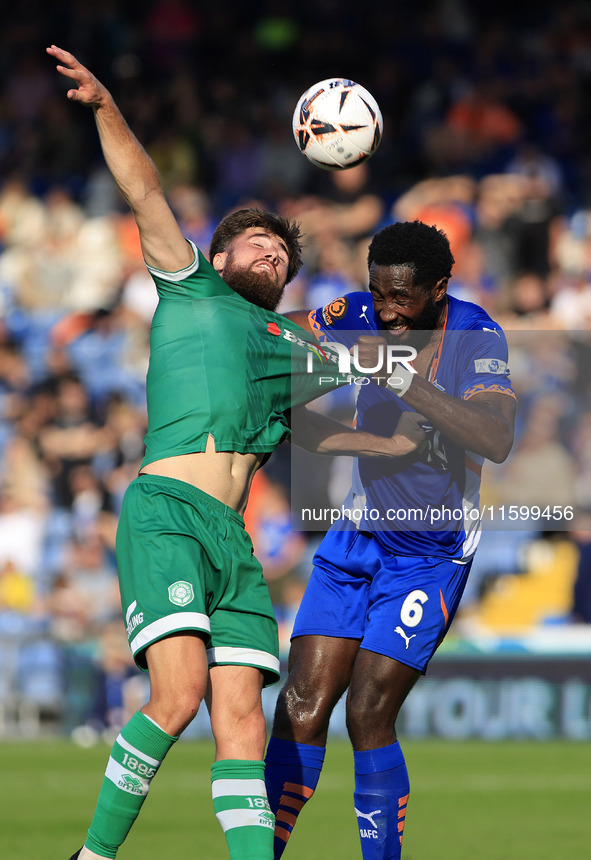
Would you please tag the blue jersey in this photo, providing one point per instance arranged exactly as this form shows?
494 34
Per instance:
431 507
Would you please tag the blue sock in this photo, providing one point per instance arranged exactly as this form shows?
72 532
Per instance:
381 795
291 774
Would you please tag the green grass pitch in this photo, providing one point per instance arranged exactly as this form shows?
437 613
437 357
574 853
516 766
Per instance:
469 801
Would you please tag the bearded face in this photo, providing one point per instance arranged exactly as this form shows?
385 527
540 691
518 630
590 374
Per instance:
255 265
255 284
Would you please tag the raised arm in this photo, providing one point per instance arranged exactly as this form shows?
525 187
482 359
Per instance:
163 244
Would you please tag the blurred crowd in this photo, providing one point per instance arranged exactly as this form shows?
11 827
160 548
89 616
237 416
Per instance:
487 134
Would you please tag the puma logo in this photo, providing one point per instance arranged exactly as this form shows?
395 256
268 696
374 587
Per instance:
369 816
404 636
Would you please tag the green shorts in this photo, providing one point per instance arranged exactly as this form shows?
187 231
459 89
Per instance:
186 563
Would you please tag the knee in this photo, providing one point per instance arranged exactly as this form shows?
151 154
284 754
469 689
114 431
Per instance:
240 735
359 716
371 720
175 711
301 710
252 726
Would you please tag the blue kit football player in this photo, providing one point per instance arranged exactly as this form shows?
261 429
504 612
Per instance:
388 578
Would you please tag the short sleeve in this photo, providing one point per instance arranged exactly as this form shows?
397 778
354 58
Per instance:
484 364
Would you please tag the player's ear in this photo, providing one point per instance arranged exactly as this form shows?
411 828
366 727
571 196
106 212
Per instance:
440 289
219 260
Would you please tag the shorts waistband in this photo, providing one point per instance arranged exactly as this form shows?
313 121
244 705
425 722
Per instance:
192 494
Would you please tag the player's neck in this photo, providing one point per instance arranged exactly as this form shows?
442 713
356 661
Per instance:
442 318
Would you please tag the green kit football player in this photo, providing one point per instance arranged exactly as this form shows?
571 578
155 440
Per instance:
220 386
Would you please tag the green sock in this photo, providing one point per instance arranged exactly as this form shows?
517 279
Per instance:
136 756
241 806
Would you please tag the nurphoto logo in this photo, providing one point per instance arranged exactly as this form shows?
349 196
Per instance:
392 355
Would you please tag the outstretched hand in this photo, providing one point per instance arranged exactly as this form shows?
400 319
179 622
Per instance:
88 90
163 245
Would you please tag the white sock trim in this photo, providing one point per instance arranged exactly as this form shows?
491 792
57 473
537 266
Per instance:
238 788
231 818
123 779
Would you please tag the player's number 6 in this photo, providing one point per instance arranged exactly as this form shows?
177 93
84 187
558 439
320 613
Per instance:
412 608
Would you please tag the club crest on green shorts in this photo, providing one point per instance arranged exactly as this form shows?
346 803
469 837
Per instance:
180 593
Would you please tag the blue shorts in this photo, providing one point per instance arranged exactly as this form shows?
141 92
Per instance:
399 606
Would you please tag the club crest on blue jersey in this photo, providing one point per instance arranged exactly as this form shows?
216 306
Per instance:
336 310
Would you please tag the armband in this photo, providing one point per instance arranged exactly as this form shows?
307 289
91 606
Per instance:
399 382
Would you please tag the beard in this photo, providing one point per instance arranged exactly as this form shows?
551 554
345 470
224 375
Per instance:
258 286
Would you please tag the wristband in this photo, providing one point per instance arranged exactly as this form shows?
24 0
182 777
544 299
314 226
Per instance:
399 382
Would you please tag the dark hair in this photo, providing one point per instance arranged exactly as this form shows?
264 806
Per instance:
424 249
235 223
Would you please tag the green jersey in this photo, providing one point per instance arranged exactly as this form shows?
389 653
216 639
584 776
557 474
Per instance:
222 366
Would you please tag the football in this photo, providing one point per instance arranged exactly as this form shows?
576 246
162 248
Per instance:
337 124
